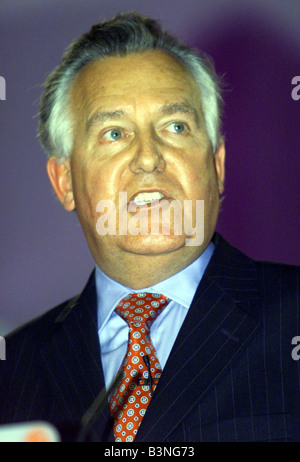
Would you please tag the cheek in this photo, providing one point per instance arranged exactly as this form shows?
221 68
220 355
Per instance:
201 182
93 183
204 185
212 202
85 187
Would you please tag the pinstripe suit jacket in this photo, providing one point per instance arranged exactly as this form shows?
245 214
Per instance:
230 375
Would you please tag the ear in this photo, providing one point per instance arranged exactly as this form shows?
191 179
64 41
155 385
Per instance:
219 160
60 177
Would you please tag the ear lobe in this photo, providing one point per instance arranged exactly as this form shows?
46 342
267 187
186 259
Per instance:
219 160
61 181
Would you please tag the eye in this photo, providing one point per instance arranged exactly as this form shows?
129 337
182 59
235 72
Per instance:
113 135
177 127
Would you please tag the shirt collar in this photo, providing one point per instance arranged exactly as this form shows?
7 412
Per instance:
181 287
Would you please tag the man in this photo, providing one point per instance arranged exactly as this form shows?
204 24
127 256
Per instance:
131 122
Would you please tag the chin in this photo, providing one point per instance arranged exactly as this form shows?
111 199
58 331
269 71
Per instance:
151 245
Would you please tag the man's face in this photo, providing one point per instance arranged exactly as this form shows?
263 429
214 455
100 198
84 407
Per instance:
139 128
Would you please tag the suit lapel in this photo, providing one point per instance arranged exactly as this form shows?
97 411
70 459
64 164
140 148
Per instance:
217 328
72 359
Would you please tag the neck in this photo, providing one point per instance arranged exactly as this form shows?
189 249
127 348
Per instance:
147 270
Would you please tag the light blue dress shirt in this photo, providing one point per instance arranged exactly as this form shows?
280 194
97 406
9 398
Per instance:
113 330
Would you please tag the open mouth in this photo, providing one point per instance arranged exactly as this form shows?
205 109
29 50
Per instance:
147 198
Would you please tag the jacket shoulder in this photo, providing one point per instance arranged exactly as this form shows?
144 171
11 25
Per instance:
36 329
245 279
279 280
230 256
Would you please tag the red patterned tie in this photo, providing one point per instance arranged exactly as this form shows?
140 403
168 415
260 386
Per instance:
130 400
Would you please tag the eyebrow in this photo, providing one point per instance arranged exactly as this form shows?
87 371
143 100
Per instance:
175 108
169 109
102 116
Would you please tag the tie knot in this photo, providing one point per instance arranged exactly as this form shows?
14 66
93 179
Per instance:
141 307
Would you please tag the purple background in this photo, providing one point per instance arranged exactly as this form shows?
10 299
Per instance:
255 44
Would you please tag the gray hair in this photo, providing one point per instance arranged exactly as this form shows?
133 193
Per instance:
125 34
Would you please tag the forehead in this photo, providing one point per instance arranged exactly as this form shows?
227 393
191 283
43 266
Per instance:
148 77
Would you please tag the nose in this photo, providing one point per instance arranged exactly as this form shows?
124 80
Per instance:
147 156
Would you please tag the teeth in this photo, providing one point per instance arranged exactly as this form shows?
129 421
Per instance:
147 197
